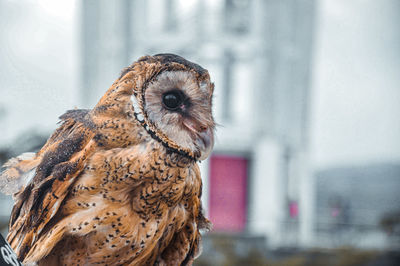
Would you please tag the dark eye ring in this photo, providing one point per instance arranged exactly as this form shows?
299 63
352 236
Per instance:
172 100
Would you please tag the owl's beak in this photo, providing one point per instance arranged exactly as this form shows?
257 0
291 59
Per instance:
203 136
207 139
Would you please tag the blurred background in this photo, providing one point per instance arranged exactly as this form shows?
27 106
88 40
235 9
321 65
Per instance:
306 167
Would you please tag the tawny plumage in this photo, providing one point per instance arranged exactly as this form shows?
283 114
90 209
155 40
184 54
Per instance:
119 184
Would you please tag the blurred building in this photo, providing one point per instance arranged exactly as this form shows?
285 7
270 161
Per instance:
308 148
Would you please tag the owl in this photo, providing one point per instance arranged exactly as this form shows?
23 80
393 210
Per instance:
119 184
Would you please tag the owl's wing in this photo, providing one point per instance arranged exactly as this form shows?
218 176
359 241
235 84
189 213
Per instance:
52 172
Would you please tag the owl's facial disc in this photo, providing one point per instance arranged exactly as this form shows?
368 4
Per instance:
179 107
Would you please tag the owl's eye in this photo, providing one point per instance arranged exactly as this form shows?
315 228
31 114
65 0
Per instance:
173 99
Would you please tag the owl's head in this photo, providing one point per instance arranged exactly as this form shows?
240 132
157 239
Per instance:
172 100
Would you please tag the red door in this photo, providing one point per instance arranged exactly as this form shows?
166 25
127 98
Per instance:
228 193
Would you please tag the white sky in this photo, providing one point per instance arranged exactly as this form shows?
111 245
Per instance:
38 76
356 92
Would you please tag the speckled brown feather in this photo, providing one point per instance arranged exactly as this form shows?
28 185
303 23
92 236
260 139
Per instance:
109 189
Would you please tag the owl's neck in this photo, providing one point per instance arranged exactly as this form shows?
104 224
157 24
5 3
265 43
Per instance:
123 133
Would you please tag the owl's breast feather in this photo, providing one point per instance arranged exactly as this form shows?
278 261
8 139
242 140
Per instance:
134 202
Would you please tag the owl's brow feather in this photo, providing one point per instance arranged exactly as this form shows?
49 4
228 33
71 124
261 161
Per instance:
172 58
166 59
